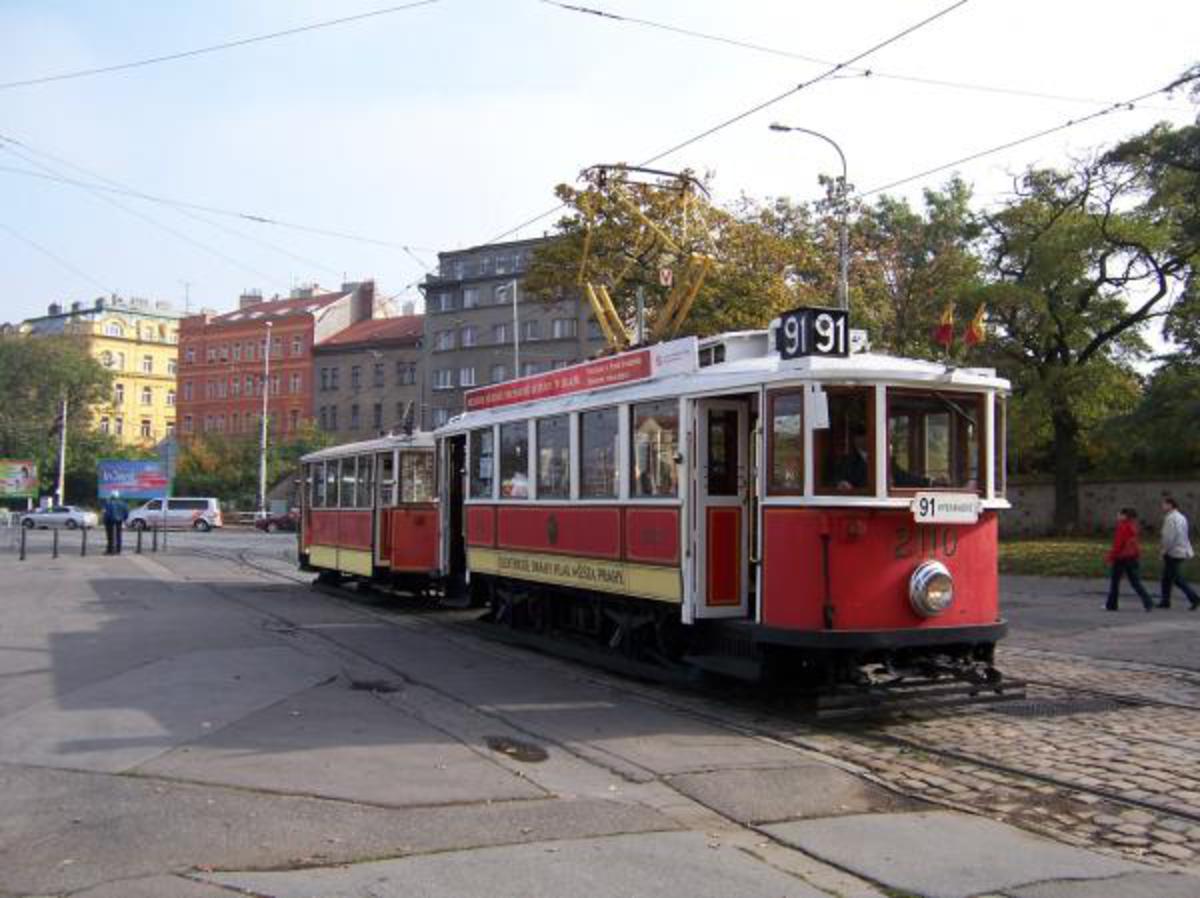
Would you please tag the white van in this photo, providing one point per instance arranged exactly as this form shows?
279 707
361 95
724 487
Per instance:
199 513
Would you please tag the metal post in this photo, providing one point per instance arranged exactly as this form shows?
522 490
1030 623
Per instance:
516 333
641 316
24 533
83 542
62 457
262 459
140 531
154 539
54 542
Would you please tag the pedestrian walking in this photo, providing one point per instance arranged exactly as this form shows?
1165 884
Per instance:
115 513
1125 559
1176 549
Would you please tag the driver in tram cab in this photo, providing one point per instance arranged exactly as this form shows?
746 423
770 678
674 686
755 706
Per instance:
853 468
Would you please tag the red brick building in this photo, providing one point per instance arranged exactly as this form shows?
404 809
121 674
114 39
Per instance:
221 362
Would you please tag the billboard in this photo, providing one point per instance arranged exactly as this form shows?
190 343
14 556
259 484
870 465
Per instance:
132 479
18 479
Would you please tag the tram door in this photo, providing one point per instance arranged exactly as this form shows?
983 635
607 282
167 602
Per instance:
452 473
722 490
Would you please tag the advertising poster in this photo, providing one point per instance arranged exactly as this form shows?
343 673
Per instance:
18 479
132 479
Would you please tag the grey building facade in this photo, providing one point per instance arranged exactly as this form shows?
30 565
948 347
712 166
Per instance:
367 379
475 337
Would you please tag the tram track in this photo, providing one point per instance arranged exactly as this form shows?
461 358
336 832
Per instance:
735 712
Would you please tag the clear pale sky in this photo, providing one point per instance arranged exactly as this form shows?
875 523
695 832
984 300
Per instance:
442 126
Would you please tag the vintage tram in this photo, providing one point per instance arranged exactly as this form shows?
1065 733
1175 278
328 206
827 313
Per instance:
778 499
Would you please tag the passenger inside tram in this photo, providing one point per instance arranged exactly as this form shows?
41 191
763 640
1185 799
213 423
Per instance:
844 451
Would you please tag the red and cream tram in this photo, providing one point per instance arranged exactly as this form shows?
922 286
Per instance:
767 496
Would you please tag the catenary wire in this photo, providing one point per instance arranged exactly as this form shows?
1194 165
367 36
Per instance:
75 270
833 69
213 48
815 60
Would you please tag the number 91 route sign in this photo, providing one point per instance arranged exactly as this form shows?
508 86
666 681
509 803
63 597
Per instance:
813 331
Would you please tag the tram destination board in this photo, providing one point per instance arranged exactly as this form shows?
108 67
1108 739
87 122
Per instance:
813 331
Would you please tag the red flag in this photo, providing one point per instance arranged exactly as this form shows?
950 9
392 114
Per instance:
975 333
943 334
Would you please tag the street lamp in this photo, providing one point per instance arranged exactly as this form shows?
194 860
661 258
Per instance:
843 241
262 449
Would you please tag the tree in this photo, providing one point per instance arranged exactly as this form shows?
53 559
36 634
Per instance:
1162 432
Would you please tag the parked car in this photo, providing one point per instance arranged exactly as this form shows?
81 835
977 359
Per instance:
273 523
70 516
182 511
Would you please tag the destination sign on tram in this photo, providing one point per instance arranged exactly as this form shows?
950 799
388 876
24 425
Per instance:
813 331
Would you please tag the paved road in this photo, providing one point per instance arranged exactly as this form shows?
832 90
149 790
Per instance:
179 724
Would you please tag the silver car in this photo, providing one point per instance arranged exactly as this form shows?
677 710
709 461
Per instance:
70 516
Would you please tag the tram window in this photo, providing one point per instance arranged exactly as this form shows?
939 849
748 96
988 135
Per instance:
514 460
844 452
554 457
483 456
1000 439
416 476
316 479
598 454
346 498
786 449
933 440
332 481
655 436
366 481
386 465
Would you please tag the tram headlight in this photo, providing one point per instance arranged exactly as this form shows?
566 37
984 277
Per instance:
931 589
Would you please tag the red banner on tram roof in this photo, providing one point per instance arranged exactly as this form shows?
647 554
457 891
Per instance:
619 369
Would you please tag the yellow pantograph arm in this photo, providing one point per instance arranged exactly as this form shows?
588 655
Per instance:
616 325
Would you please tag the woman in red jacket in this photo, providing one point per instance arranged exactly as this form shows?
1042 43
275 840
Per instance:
1124 556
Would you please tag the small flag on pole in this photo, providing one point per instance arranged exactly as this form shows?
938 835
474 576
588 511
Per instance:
943 334
975 332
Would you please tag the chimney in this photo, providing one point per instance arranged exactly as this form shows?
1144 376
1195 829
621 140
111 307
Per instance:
409 308
53 309
76 306
249 298
100 303
362 305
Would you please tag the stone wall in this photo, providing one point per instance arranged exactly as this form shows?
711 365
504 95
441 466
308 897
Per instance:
1032 513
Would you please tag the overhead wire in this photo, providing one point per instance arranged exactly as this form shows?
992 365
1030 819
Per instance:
74 269
213 48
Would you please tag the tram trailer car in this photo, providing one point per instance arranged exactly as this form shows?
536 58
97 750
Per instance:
369 511
756 502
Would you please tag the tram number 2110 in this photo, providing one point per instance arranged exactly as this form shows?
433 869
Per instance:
810 331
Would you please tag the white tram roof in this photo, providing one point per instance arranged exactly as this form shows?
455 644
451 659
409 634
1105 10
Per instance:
417 440
741 373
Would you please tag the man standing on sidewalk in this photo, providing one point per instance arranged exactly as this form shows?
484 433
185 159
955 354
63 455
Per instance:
1176 549
115 513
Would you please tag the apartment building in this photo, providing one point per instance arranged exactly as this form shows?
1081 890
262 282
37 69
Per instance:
138 341
475 334
223 368
368 378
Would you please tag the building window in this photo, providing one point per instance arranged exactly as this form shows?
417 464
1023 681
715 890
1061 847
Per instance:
333 377
482 451
471 298
406 373
105 425
466 377
499 373
554 458
501 294
187 391
655 438
355 376
224 353
324 379
443 340
443 302
323 418
120 361
593 330
297 345
294 383
170 429
500 333
170 397
354 416
112 329
249 385
235 423
377 416
598 454
119 394
189 355
440 416
468 336
146 429
118 426
210 354
187 424
377 375
237 352
531 330
294 420
274 384
172 366
333 424
443 379
563 328
106 359
277 348
559 364
530 368
235 387
147 396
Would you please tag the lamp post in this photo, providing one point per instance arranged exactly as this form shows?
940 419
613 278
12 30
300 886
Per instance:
843 238
262 449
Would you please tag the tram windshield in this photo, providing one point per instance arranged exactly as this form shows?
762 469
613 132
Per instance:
845 451
933 440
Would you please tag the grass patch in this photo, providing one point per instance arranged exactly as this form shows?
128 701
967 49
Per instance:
1070 558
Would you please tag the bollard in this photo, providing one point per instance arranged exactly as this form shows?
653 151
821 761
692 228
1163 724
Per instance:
55 541
164 530
83 542
24 533
140 531
154 539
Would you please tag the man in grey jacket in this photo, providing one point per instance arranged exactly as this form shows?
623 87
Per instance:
1176 549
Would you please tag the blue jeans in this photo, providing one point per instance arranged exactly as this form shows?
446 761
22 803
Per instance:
1130 568
1173 576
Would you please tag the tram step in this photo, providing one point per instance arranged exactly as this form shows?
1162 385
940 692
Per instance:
749 669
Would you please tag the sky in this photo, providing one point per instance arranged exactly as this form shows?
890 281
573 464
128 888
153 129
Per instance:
443 126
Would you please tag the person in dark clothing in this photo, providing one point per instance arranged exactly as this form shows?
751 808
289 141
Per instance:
851 471
1125 559
115 513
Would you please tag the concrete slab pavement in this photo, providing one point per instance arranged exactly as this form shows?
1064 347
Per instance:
1132 885
944 854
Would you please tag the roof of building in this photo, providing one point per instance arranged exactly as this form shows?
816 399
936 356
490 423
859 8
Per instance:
405 328
279 308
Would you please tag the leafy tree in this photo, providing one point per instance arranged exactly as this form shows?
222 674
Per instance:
1162 432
